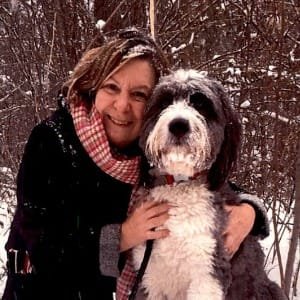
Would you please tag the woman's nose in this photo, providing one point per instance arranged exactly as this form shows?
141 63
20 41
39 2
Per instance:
121 102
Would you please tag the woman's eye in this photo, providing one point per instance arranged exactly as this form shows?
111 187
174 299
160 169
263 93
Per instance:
111 88
140 96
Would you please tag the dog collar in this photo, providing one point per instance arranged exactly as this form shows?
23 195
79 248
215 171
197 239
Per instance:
163 178
170 179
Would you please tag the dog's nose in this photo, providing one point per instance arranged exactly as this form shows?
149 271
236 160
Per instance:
179 127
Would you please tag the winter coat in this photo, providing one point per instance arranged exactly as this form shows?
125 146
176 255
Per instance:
64 202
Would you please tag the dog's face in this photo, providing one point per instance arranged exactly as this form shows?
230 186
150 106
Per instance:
189 124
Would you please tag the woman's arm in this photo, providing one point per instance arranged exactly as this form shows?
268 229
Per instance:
33 192
261 226
240 222
250 217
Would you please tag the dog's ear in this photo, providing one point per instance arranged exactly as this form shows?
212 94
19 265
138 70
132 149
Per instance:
227 157
149 119
153 107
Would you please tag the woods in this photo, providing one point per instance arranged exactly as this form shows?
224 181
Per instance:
252 47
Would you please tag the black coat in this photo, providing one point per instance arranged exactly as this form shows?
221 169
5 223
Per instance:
63 201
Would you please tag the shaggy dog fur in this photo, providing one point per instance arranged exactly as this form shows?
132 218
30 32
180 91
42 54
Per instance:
192 133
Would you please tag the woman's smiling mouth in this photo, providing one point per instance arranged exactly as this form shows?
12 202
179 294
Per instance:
119 122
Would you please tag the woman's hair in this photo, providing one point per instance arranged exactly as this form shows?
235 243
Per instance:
100 62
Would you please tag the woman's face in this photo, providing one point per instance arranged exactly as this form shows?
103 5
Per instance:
122 98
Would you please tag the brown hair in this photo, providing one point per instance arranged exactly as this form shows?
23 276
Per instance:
98 63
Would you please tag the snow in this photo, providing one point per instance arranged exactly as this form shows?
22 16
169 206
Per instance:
5 221
233 71
138 50
176 49
275 116
245 120
271 265
4 78
245 104
271 71
100 24
191 38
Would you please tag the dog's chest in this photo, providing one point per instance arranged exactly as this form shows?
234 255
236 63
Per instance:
192 223
191 244
192 211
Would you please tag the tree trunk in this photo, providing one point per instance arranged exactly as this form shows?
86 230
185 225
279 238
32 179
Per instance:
296 230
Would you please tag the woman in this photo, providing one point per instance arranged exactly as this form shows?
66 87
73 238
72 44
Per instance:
76 176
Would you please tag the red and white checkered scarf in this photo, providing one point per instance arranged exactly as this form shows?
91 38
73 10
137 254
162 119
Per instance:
91 133
126 281
127 278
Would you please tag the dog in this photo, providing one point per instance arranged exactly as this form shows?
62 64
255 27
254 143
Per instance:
191 138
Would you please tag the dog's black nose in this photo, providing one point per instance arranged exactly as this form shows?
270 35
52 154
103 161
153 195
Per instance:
179 127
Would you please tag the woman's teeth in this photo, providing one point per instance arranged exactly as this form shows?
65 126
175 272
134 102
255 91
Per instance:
118 122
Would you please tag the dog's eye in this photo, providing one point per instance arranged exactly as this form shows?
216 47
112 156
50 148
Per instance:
165 99
198 100
162 101
203 105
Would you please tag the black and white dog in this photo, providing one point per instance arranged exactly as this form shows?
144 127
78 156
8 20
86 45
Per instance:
191 136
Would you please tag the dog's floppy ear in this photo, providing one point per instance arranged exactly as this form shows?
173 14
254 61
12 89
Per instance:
228 154
152 111
149 119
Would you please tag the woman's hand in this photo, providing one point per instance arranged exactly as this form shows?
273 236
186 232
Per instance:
240 222
140 226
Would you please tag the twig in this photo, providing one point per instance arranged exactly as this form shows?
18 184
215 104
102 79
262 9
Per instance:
152 18
52 44
188 24
113 14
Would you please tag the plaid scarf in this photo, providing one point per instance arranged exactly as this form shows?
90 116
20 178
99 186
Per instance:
127 278
91 133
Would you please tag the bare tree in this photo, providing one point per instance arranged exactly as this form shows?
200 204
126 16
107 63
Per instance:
295 233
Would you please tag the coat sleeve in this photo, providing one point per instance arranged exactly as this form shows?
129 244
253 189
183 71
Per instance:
34 191
111 261
110 250
261 226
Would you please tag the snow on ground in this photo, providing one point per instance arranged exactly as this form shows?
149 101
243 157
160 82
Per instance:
5 221
271 265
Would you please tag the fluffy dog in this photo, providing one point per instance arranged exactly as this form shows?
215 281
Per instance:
191 137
